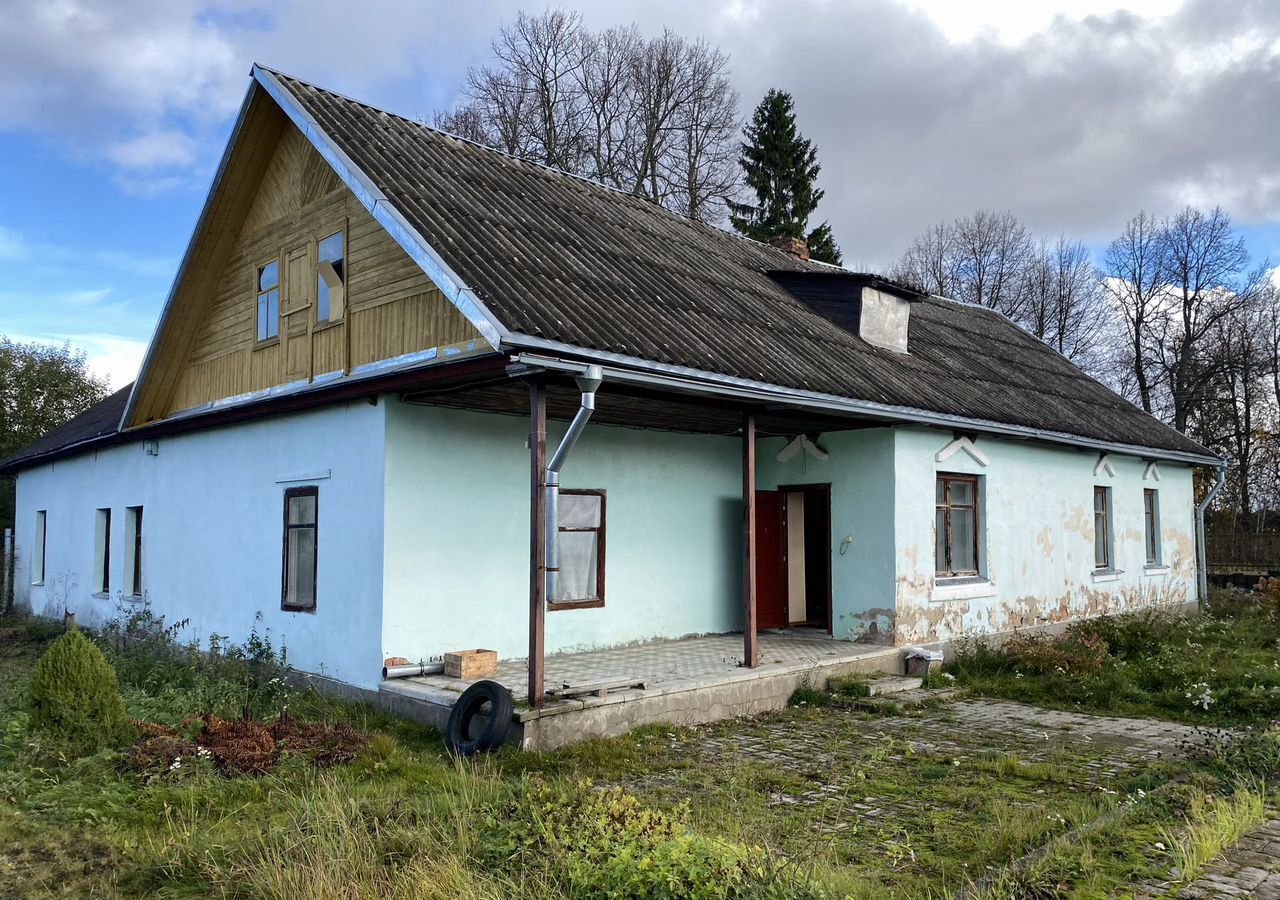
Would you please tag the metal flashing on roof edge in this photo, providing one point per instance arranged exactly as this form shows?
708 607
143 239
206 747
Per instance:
384 212
633 370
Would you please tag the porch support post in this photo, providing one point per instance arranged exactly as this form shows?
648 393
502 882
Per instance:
749 651
537 536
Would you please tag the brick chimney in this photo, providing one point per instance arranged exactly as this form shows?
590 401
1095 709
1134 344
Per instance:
792 246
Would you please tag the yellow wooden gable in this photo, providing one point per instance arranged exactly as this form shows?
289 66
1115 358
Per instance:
275 200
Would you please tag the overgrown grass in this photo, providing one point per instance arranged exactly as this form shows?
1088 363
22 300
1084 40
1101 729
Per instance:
1222 668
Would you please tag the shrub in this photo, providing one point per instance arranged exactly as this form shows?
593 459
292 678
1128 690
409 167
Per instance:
1074 653
74 696
606 843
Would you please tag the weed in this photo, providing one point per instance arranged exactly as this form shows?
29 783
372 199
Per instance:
1211 826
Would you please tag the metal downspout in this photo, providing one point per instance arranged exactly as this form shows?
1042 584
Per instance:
1202 563
588 382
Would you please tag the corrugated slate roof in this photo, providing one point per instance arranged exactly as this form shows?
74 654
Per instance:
99 421
559 257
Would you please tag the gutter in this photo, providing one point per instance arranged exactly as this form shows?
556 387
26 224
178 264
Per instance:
1202 561
644 373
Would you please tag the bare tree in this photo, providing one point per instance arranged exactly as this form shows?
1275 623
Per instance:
656 118
1134 269
1062 299
927 263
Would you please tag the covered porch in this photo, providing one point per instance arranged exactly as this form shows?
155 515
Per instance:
685 682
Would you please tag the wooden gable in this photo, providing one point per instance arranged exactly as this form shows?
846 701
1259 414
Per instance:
276 199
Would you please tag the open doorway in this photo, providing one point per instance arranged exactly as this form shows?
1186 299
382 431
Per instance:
807 554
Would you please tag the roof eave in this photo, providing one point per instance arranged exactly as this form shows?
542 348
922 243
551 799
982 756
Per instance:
542 352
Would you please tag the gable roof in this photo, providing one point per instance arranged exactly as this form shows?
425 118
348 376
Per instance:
558 262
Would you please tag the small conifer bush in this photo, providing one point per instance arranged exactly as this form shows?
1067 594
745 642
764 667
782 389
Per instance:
74 696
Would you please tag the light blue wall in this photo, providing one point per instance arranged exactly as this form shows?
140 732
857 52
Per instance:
860 470
212 533
1037 537
457 534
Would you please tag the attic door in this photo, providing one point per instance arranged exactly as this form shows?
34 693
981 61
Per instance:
296 313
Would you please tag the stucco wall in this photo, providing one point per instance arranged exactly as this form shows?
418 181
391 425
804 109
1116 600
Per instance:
860 470
1037 537
457 534
212 533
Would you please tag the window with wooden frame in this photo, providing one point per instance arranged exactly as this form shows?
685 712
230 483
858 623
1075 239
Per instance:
956 526
102 552
133 550
267 281
298 587
580 550
330 277
38 545
1151 516
1101 527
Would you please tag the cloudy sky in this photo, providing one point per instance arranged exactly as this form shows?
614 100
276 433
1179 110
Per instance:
1073 115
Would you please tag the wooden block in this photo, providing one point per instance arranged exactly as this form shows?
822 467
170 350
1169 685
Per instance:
470 663
599 688
395 661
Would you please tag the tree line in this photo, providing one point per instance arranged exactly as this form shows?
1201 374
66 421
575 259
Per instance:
1175 316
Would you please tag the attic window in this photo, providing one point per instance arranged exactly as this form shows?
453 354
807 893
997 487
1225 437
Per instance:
330 278
269 300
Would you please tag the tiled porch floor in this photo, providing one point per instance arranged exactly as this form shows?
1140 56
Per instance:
664 666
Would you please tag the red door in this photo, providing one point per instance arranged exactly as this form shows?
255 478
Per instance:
771 582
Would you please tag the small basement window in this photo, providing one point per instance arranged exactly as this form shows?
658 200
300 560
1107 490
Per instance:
38 545
956 526
1151 514
330 278
1102 547
298 591
580 548
133 550
269 300
102 552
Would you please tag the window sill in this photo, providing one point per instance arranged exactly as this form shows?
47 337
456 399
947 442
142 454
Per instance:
1103 575
269 342
556 605
101 595
37 584
971 588
1156 570
297 609
326 324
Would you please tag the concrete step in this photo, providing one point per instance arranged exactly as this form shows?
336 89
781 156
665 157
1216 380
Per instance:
879 687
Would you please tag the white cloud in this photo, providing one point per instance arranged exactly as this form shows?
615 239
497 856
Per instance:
159 149
12 246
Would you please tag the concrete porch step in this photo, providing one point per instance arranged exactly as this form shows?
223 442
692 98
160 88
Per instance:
879 687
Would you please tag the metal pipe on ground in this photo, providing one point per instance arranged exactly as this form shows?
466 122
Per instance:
588 382
412 671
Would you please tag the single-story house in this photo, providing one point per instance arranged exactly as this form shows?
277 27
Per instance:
353 428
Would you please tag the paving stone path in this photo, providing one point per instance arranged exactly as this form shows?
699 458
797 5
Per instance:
1249 869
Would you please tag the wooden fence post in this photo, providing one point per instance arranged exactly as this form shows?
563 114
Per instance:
6 573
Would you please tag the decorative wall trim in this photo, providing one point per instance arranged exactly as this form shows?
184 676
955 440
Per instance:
1152 471
1104 465
966 444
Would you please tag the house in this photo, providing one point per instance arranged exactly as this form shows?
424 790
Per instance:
391 357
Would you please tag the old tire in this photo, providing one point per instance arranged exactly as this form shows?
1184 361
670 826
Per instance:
458 735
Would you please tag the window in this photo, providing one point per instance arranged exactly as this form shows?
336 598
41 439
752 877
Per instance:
37 554
330 278
269 300
956 525
1151 513
580 549
298 591
133 549
1102 528
102 552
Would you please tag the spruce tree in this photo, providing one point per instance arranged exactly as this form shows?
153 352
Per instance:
780 167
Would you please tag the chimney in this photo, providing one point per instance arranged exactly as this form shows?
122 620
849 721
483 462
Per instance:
792 246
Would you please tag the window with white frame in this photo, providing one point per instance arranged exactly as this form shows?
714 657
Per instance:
301 509
1103 555
102 552
133 550
1151 516
38 545
580 550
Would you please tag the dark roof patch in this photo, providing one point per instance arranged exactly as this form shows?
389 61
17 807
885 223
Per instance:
102 420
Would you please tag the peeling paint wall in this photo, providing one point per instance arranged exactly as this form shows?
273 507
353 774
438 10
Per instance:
457 534
860 470
1036 538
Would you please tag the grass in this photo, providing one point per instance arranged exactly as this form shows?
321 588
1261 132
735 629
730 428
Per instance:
824 799
1219 669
